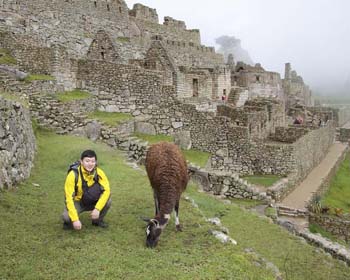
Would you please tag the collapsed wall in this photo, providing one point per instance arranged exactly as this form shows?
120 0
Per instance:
17 143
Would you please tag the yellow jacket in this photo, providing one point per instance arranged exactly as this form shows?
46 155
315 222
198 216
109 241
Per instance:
71 196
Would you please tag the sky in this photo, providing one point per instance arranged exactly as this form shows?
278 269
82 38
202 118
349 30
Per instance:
313 35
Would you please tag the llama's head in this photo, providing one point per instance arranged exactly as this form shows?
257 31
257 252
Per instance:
154 229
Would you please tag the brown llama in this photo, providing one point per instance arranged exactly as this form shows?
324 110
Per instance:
167 171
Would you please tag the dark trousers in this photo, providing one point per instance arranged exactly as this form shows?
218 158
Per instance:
81 208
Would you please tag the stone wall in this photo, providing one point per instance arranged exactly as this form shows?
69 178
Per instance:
257 157
51 21
23 89
17 143
120 88
62 117
312 148
338 226
289 134
29 57
344 134
258 81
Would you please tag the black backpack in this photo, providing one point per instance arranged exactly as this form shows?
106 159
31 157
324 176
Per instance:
90 194
75 167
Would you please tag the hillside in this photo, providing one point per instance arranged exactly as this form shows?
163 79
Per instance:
34 246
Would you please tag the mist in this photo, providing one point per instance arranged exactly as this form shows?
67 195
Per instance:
312 35
232 45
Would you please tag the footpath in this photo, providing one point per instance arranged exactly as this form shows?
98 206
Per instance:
298 198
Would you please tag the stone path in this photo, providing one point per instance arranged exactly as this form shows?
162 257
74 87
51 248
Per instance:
303 193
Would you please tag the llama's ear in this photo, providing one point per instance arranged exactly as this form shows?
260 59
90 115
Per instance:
155 222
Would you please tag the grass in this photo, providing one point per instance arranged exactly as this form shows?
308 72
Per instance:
198 158
13 97
110 118
39 77
6 57
314 228
123 39
76 94
338 194
152 139
34 246
262 180
295 259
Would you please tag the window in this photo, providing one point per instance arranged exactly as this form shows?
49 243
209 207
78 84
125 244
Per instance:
108 9
95 4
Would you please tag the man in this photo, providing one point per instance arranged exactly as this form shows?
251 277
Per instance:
86 189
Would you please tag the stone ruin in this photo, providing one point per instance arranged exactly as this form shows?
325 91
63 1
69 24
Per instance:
164 77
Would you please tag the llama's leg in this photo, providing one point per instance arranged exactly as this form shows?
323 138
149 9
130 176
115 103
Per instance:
156 202
177 221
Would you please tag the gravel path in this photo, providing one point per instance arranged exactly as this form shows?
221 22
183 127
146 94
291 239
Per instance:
303 193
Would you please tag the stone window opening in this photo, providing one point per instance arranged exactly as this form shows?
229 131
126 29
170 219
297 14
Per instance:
120 9
95 4
258 78
108 8
103 53
195 87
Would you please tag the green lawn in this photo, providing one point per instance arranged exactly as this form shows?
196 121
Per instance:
76 94
338 194
197 157
262 180
34 246
39 77
110 118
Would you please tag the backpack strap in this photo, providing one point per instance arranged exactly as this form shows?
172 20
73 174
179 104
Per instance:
76 176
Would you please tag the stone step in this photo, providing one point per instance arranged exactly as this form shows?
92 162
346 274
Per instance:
291 212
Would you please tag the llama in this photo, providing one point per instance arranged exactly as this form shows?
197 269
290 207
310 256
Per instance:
167 171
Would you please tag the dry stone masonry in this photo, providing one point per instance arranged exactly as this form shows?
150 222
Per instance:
17 143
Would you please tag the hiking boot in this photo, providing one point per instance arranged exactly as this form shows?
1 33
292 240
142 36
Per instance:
67 226
101 224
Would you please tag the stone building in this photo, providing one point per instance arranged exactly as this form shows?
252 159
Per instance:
258 81
160 73
295 90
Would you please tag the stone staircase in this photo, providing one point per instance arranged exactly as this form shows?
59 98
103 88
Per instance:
291 212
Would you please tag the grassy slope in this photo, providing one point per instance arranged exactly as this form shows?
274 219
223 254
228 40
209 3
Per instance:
34 246
338 195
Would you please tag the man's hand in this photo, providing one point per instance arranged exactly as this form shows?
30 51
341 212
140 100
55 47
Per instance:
77 225
95 214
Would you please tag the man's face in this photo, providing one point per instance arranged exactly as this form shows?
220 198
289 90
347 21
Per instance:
88 163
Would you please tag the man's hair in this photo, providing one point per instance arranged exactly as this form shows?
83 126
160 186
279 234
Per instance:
89 154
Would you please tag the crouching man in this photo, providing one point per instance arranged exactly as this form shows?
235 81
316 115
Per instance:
86 189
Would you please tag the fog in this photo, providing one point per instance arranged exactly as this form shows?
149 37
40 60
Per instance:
313 35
